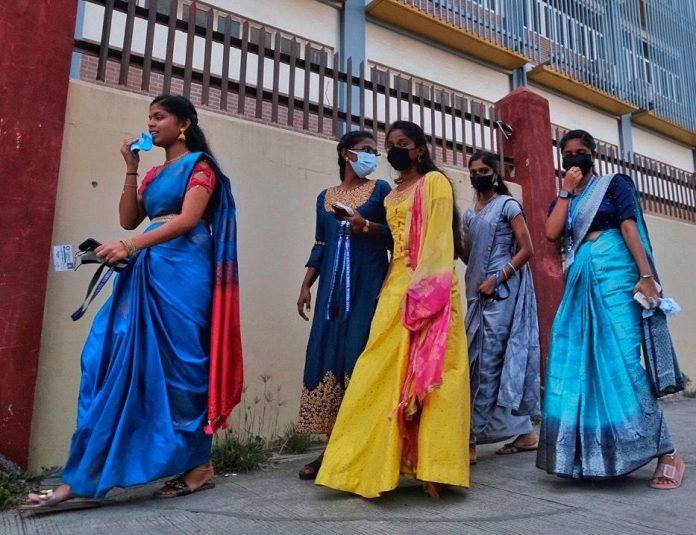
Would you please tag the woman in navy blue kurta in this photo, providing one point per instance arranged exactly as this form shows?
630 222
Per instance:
337 339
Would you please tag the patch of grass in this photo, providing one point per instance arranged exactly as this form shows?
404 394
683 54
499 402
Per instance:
13 489
294 441
232 453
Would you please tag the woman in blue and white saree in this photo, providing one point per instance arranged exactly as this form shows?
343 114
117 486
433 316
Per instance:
601 415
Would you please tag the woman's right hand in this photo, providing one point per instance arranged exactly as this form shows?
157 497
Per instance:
304 302
571 179
132 160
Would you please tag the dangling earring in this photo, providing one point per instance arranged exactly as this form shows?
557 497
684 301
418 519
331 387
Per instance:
182 136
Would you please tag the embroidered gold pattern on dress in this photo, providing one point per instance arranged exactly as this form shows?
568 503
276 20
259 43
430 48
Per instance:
354 198
319 407
396 195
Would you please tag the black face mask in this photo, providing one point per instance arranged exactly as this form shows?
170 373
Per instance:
583 161
482 183
399 158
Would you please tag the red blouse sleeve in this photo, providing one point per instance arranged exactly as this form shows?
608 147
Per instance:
204 176
149 177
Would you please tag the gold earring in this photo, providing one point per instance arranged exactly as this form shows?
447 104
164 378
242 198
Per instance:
182 136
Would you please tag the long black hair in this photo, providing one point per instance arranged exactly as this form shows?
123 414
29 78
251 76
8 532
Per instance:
492 160
426 164
348 141
182 108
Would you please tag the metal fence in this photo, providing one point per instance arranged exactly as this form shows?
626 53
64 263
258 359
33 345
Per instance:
640 51
663 189
261 73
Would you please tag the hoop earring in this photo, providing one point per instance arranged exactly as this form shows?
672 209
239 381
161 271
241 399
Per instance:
182 136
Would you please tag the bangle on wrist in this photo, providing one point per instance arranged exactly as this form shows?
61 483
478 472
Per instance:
649 276
131 173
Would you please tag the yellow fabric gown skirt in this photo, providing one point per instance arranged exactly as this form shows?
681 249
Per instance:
363 455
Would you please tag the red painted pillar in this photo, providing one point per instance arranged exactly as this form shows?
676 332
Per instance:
36 42
530 146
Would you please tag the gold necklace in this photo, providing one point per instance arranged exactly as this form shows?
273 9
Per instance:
167 162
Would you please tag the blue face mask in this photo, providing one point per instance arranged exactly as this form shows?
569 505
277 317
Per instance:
144 144
366 164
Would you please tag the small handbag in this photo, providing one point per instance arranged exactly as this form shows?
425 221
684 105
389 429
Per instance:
86 255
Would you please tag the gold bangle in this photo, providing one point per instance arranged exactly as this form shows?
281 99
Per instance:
131 249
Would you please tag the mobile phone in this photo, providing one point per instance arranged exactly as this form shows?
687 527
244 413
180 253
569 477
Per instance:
343 208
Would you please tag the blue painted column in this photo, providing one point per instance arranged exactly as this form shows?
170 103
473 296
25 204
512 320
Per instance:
352 46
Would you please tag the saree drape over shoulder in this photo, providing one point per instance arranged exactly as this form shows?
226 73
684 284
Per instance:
162 363
601 417
335 344
503 334
407 407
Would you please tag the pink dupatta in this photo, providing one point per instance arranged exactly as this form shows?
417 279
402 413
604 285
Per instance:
427 306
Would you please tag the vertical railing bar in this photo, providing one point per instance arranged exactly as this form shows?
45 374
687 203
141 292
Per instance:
410 99
443 120
334 104
171 37
276 78
244 58
362 95
294 46
207 56
433 134
105 37
397 85
464 109
349 95
127 43
375 112
320 99
149 42
225 77
190 44
453 107
387 99
260 71
307 86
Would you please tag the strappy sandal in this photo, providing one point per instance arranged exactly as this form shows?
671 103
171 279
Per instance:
309 471
46 502
673 473
510 448
177 487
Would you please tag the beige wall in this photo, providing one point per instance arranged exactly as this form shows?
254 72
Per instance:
276 175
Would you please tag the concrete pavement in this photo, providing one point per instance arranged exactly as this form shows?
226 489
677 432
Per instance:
508 496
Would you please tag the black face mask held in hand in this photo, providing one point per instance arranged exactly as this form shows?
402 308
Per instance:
399 158
583 161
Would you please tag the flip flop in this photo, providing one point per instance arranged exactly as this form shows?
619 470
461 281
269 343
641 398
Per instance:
49 504
673 473
177 487
510 448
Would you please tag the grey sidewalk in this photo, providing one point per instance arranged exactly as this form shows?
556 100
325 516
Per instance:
508 496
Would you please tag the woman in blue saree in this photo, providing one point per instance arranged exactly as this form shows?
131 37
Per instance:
601 415
344 306
501 317
161 367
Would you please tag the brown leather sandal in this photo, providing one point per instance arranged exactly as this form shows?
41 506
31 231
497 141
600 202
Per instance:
309 471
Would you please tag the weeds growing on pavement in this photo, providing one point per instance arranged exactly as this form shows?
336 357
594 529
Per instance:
15 485
254 435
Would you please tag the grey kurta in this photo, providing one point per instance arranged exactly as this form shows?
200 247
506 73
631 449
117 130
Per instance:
503 334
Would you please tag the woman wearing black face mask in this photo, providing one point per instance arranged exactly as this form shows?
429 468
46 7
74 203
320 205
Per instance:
407 408
501 317
601 415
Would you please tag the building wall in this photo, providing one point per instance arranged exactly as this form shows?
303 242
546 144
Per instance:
413 56
662 149
276 175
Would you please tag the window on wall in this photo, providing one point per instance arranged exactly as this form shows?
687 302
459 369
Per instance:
163 7
235 26
201 15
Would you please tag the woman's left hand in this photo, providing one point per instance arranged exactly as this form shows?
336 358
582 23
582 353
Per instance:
357 222
648 287
487 287
112 252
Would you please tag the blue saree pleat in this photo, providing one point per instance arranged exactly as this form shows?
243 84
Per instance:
143 398
601 418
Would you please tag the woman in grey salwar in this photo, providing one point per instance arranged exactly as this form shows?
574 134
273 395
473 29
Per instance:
501 320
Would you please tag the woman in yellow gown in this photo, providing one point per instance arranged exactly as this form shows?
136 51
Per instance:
407 407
